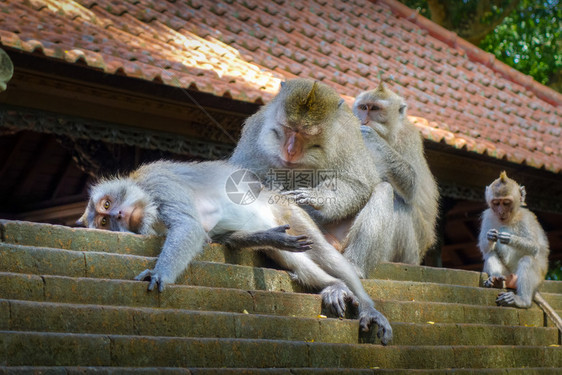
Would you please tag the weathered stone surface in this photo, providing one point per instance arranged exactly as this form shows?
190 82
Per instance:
4 315
33 316
307 305
202 298
551 286
98 291
82 239
54 349
21 286
236 276
409 272
40 261
116 266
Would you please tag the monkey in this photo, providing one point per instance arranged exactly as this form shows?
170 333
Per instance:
6 69
192 201
397 149
512 241
308 127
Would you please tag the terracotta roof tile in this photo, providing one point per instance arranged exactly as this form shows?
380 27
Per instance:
457 94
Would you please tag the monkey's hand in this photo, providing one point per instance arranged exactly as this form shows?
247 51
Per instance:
304 196
495 281
504 237
284 241
370 134
370 316
492 235
336 296
154 277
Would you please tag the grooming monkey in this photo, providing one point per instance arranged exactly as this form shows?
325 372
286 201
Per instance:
397 149
512 242
307 126
192 202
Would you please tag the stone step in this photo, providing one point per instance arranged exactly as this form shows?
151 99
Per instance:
25 259
56 370
73 318
80 239
63 349
134 294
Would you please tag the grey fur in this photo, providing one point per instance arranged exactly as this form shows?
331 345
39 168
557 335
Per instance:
354 205
193 204
519 247
397 148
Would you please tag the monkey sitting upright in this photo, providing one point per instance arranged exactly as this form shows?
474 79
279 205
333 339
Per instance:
397 149
512 242
196 202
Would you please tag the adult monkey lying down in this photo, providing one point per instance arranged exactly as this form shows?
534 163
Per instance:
191 201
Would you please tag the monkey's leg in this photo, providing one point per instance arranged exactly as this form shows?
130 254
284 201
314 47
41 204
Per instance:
370 238
275 237
334 293
331 261
528 280
495 269
335 264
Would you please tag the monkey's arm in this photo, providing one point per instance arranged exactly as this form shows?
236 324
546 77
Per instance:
275 237
333 200
521 244
400 173
184 240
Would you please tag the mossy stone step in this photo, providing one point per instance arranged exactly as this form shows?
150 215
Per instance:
54 370
72 318
131 293
63 349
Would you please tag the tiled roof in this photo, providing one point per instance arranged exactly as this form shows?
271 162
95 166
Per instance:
457 94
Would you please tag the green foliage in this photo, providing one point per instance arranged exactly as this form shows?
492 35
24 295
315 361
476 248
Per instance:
555 272
529 39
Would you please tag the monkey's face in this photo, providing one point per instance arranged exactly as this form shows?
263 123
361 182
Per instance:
291 144
504 208
118 205
383 111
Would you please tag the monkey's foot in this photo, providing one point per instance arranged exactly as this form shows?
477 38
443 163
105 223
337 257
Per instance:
370 316
511 299
495 282
280 239
154 277
336 296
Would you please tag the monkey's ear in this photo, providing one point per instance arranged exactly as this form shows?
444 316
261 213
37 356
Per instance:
402 108
341 102
523 193
488 194
282 84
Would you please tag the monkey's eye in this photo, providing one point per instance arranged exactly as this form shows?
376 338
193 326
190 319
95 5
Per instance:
106 204
495 202
363 107
506 202
103 221
375 107
277 133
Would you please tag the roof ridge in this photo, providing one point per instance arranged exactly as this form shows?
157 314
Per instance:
474 52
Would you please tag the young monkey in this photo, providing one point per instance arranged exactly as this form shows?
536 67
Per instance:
197 202
512 242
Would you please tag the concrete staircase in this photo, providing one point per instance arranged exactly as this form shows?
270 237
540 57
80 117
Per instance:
68 305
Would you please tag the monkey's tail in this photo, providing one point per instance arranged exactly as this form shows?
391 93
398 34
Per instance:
548 310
